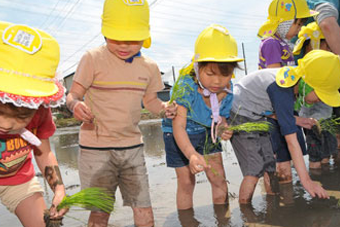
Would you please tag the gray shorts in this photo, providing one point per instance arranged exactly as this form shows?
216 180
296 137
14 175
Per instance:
117 168
253 150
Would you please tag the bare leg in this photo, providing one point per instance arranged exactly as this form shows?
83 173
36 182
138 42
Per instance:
98 219
314 165
247 189
30 211
216 177
284 171
187 218
143 216
185 188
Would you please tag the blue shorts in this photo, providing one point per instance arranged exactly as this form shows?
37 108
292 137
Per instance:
279 143
174 156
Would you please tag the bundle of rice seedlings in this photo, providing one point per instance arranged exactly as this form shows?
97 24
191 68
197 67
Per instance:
260 126
331 125
88 198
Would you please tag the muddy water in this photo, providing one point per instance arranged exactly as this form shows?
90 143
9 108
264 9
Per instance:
293 208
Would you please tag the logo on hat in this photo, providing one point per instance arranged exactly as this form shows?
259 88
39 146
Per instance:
134 2
23 38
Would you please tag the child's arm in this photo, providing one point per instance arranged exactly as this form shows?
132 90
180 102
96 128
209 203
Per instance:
48 166
74 102
226 134
305 122
197 161
155 105
299 164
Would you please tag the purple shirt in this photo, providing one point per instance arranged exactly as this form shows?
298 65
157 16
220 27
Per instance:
275 50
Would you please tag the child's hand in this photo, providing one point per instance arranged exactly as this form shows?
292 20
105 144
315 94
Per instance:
82 113
58 197
170 110
197 163
225 133
305 122
314 189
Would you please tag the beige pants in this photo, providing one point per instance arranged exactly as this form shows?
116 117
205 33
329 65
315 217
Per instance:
11 196
117 168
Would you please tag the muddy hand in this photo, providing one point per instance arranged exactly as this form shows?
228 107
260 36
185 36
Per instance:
197 163
82 113
170 110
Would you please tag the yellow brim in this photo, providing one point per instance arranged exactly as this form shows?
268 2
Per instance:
28 86
329 98
298 45
230 59
287 77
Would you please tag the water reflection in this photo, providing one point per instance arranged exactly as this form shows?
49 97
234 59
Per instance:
293 208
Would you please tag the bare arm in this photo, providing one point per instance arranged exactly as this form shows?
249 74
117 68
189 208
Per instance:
331 30
274 65
155 105
295 151
197 162
74 102
48 166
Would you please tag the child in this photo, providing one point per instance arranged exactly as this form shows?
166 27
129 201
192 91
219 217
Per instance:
320 145
29 59
208 92
285 20
115 79
270 92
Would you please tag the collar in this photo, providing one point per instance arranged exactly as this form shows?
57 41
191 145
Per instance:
130 59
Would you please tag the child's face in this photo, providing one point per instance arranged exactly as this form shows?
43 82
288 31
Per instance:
124 49
312 98
11 121
212 79
294 29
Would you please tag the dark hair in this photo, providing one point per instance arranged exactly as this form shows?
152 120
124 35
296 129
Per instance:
303 20
226 68
17 111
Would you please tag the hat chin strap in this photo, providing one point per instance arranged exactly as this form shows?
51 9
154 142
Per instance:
30 137
215 106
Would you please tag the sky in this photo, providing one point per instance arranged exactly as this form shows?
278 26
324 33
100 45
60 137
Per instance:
175 25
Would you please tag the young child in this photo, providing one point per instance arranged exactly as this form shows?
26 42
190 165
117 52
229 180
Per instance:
271 93
115 79
206 103
28 61
285 20
320 145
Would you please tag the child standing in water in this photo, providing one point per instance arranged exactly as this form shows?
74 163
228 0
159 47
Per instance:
28 61
285 20
206 103
320 145
115 79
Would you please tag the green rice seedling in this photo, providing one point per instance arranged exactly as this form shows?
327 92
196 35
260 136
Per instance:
331 125
179 90
260 126
88 198
98 198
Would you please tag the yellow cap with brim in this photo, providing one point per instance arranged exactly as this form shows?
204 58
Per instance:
126 20
320 69
310 32
283 10
215 44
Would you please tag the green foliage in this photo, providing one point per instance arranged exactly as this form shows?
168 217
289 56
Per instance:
89 198
260 126
331 125
179 90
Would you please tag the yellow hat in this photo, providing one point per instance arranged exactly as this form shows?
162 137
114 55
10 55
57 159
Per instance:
215 44
283 10
310 32
126 20
319 69
28 63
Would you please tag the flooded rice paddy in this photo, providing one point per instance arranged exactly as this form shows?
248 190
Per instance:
293 208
